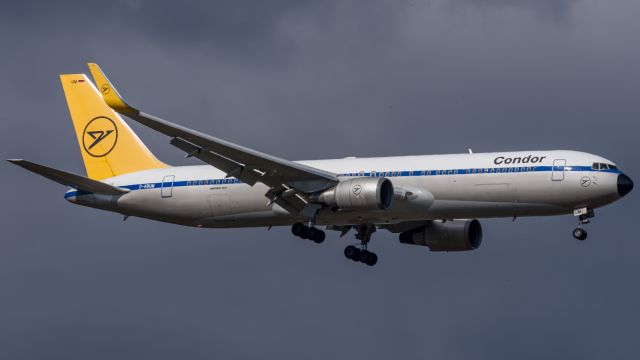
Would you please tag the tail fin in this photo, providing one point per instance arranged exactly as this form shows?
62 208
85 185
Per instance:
108 145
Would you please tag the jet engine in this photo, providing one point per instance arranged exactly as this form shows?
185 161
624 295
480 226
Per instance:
365 193
455 235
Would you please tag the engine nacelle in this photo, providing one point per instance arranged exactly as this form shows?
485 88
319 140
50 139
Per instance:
456 235
365 193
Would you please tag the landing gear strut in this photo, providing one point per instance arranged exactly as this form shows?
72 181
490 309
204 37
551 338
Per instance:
305 232
583 218
361 253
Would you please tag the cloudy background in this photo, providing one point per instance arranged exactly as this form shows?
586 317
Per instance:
308 80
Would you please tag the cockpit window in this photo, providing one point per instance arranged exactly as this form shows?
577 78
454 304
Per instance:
603 166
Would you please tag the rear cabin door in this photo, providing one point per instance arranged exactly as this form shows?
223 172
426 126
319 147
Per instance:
167 186
557 171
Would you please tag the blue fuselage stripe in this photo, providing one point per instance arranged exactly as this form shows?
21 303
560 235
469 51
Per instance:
390 174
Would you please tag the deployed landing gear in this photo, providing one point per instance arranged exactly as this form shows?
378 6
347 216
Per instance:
579 233
362 254
305 232
583 215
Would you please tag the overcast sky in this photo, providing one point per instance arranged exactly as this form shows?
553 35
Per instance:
308 80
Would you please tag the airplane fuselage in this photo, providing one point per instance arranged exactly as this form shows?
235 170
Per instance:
457 186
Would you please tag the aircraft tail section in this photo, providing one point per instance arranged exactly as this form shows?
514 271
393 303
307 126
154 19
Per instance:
108 145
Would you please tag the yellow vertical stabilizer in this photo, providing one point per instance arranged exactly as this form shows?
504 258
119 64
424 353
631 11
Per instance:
108 145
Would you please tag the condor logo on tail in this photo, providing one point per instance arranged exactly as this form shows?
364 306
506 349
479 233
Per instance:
99 136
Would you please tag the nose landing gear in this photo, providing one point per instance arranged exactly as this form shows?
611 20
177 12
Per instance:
583 215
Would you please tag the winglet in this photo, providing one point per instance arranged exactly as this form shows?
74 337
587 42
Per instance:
109 92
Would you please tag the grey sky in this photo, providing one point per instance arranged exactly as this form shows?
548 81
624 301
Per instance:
306 80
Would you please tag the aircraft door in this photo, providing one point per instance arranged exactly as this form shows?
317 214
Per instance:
557 171
167 186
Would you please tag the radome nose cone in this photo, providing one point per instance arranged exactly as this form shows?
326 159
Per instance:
625 185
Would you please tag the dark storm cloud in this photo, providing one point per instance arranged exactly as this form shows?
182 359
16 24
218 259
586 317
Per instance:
556 9
304 79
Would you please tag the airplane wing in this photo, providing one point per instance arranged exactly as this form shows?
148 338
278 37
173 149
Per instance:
69 179
289 182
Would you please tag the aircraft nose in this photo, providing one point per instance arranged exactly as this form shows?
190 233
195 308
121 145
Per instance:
625 185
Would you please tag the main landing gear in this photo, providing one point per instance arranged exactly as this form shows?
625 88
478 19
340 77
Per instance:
583 218
361 253
312 233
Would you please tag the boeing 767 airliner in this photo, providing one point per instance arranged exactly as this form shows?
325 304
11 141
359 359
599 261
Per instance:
430 200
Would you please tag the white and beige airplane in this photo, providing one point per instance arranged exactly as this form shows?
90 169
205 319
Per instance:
431 200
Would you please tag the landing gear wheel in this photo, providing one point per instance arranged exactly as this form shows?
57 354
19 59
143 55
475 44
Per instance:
579 233
372 260
317 236
368 257
350 252
297 229
364 256
356 255
360 253
305 232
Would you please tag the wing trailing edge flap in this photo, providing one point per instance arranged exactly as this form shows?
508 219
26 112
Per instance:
230 167
288 198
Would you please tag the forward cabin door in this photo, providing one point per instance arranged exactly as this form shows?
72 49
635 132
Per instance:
167 186
557 171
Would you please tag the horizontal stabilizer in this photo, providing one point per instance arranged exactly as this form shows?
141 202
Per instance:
69 179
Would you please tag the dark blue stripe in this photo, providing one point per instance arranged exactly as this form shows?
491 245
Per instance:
402 173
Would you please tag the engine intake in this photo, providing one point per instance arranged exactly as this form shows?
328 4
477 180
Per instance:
365 193
456 235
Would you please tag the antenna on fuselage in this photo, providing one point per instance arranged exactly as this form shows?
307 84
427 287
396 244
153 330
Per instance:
470 151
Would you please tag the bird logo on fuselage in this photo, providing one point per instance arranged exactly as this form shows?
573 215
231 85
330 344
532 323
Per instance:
99 136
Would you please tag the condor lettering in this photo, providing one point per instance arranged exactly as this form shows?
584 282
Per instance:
529 159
